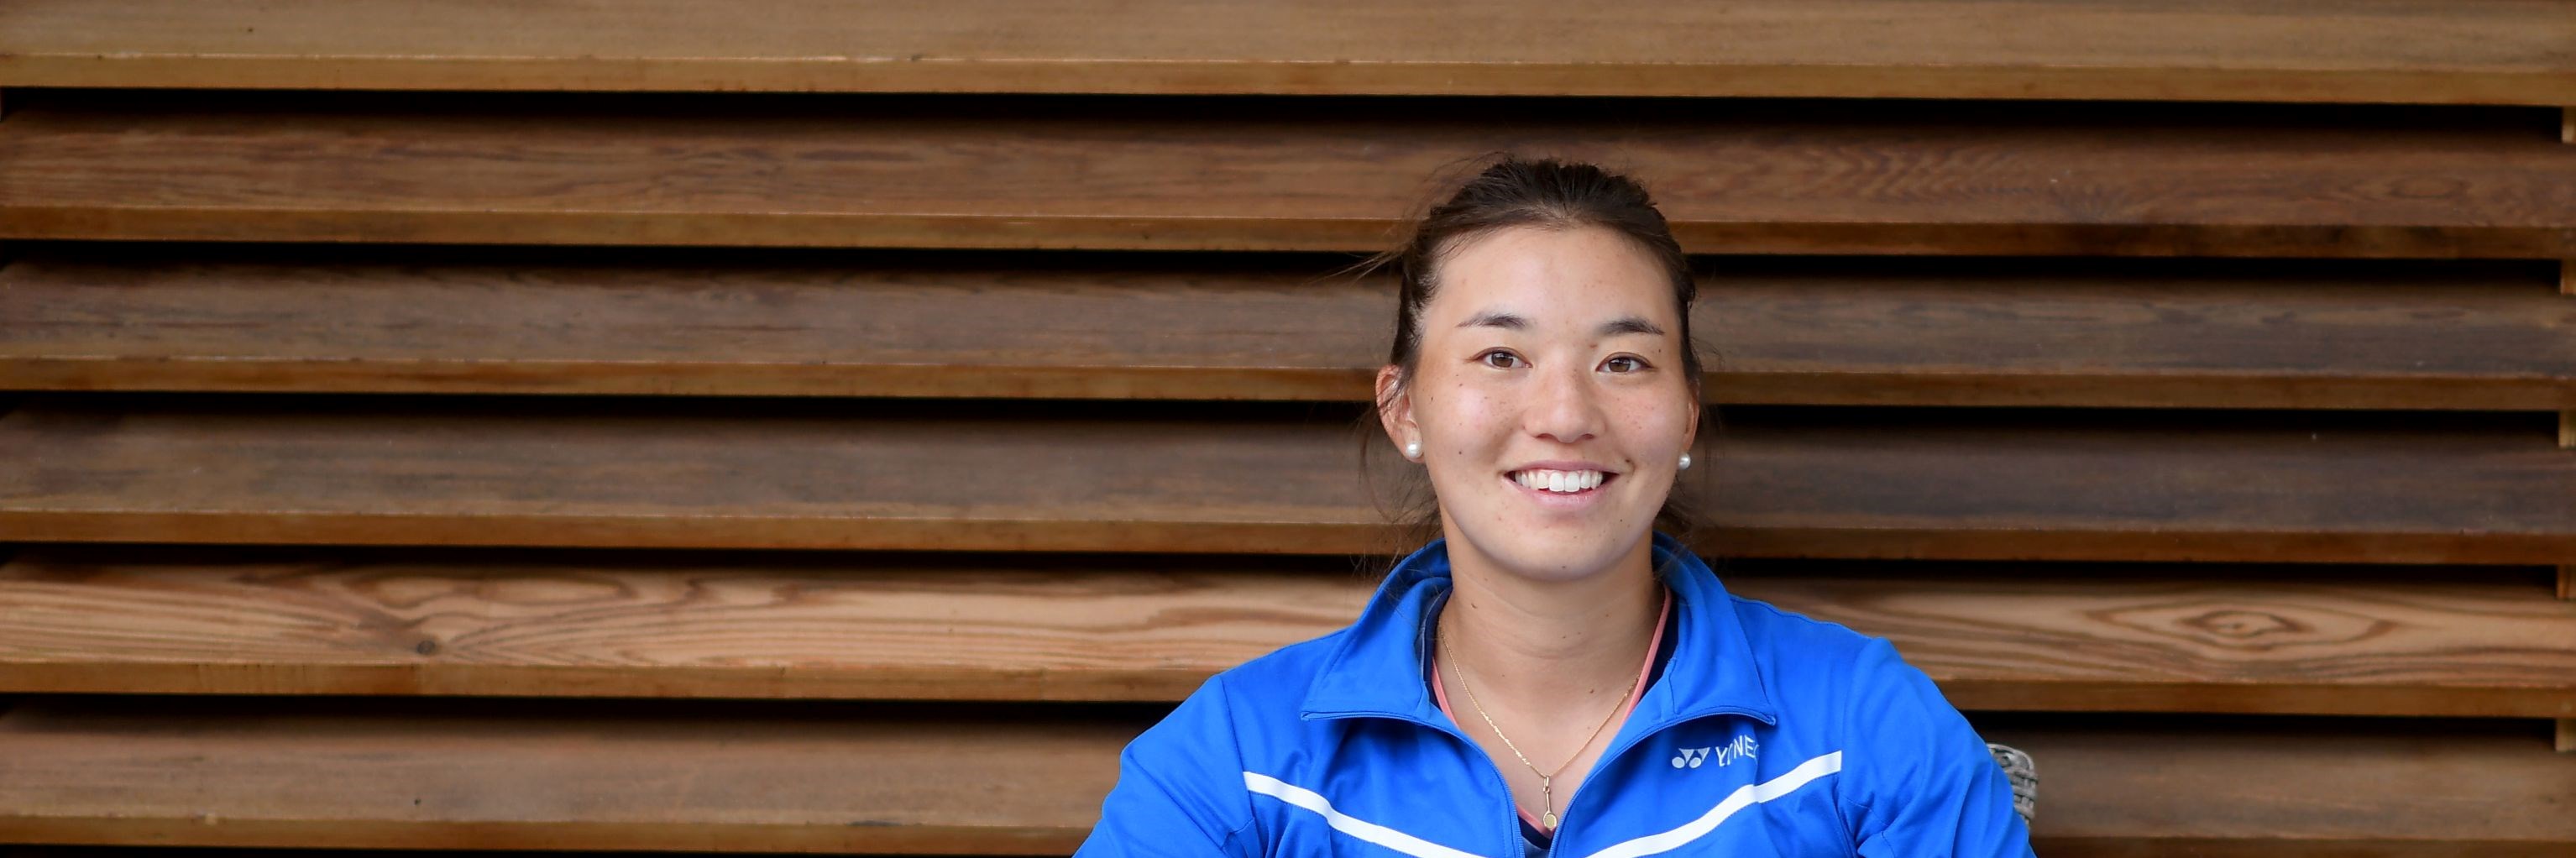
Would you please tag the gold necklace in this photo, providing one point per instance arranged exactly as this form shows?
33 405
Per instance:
1546 780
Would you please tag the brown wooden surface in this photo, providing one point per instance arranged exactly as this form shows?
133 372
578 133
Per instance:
1809 331
869 325
2468 488
134 771
2242 789
2505 51
2205 639
366 775
867 627
2183 640
1283 174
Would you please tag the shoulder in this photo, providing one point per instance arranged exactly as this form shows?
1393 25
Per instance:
1834 678
1187 773
1239 711
1794 649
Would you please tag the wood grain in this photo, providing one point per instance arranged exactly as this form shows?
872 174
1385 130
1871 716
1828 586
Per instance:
2180 486
906 628
877 325
2198 639
2499 51
1259 174
2240 789
349 775
98 621
2471 488
2137 333
358 775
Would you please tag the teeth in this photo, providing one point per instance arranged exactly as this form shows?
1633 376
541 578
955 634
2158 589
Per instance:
1562 482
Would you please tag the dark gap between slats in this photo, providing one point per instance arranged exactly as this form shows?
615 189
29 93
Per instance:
1593 111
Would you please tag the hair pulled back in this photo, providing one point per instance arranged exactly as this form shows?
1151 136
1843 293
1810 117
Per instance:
1509 192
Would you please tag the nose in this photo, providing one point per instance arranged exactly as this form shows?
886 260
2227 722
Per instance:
1565 408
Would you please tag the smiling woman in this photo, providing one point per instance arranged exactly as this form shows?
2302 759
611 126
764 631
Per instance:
1543 377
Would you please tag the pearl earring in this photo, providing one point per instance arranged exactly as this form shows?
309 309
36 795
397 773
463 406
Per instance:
1685 461
1413 450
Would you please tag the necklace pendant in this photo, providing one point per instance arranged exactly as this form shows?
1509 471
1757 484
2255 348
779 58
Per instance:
1549 820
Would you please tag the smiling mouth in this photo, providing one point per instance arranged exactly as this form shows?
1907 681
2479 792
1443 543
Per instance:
1561 482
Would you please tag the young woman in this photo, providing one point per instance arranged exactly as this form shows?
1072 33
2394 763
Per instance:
1552 676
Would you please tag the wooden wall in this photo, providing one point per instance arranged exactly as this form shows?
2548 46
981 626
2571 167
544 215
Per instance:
812 427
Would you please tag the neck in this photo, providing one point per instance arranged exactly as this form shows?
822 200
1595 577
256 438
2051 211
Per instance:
1549 647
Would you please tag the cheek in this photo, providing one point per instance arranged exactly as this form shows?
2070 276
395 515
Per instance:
1460 418
1657 421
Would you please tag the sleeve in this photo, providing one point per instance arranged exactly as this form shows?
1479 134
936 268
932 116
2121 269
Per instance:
1180 791
1923 783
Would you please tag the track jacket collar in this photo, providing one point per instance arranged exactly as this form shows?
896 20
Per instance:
1377 670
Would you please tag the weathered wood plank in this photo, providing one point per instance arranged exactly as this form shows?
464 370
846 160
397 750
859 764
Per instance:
2240 789
1250 174
415 776
876 325
2498 51
2134 333
807 779
2469 488
122 622
909 628
1801 331
2196 639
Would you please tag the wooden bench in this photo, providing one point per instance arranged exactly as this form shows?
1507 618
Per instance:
378 774
1251 174
2191 639
1848 332
2465 51
1994 484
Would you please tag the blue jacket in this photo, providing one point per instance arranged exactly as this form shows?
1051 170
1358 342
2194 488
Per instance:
1766 734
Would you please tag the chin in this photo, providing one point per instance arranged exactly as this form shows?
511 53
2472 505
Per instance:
1561 554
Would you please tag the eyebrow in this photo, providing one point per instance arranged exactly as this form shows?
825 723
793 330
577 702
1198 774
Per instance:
1630 325
1512 322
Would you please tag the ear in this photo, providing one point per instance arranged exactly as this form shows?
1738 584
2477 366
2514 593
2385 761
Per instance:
1395 406
1698 415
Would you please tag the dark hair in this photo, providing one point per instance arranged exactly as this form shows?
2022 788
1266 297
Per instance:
1515 192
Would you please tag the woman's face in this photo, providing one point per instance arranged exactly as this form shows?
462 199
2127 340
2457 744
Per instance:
1550 399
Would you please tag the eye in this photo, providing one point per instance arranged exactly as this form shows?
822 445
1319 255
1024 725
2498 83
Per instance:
1499 359
1624 364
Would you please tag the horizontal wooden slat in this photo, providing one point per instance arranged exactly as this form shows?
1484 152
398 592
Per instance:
913 629
107 771
1139 327
220 852
2254 788
810 779
2500 51
1799 331
1279 174
2202 639
105 621
2137 333
2467 488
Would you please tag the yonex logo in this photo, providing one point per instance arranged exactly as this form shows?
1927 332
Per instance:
1742 748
